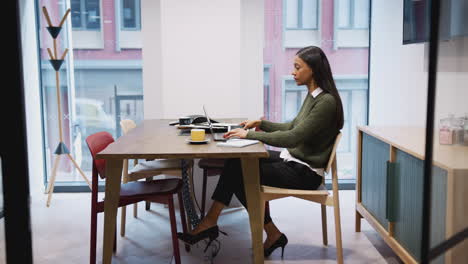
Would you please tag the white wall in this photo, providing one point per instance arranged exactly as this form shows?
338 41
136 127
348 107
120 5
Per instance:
199 52
202 52
398 73
32 96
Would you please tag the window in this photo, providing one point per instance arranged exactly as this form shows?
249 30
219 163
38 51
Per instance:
301 23
99 85
131 16
85 15
301 14
353 14
293 96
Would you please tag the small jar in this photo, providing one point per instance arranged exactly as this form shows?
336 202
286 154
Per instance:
457 126
446 135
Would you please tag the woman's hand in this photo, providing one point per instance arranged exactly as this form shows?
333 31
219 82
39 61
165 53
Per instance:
250 124
238 132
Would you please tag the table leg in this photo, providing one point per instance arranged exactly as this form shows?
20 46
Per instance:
255 205
111 202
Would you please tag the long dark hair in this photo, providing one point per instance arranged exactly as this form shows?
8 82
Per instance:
315 58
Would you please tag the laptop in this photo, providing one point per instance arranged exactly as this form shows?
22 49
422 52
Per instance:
216 136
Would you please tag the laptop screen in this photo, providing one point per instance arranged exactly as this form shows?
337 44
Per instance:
208 120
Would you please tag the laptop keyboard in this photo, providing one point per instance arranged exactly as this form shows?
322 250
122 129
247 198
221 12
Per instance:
219 136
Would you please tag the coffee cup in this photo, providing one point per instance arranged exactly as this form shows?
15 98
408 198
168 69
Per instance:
185 120
197 134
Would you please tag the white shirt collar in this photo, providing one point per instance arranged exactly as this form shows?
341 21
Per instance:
316 92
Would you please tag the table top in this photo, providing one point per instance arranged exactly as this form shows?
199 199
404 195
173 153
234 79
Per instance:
412 141
156 139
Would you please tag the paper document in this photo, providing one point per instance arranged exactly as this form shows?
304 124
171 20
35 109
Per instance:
237 143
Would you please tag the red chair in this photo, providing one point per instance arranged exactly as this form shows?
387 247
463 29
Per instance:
161 191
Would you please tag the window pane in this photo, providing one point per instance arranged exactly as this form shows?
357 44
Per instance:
290 106
361 13
343 13
129 19
93 18
76 14
309 14
291 13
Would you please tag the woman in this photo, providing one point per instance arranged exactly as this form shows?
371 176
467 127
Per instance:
308 142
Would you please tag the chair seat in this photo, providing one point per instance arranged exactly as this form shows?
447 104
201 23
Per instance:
321 191
211 164
156 166
139 189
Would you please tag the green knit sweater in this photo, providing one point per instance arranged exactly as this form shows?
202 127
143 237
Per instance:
310 136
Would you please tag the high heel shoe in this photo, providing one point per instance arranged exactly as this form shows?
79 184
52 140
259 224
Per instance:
211 233
282 241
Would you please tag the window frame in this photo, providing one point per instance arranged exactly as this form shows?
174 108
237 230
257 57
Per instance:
352 15
299 16
83 17
137 17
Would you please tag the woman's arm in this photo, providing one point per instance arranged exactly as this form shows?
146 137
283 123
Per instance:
318 119
269 126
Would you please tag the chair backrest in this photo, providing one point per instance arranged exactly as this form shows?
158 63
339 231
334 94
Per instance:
96 143
127 125
333 153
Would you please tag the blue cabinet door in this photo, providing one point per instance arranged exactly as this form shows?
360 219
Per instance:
375 155
406 194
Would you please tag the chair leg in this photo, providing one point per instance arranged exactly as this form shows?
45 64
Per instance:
115 240
182 217
324 224
175 242
205 176
336 206
135 210
148 203
92 253
123 218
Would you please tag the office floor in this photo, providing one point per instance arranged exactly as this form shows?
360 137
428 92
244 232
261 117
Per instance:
61 234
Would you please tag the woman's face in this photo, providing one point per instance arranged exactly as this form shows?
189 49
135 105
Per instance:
302 73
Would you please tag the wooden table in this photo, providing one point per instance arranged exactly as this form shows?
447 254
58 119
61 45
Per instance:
155 139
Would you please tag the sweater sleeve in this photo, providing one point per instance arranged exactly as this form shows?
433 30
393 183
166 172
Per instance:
318 119
268 126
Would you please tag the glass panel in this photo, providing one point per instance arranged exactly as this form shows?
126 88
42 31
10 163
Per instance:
290 107
291 13
129 19
361 13
93 82
76 13
309 14
450 147
344 13
93 15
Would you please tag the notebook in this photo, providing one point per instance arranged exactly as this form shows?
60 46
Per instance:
237 143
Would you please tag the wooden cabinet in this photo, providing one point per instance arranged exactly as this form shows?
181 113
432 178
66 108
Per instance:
389 190
374 177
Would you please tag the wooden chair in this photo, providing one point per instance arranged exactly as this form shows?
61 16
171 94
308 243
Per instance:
161 191
319 196
210 167
144 170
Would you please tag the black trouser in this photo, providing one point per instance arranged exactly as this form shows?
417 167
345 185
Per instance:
273 172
